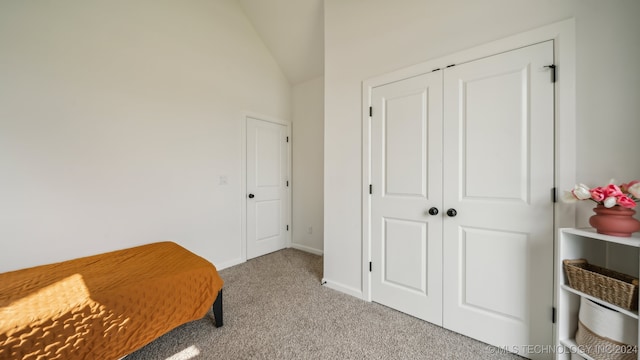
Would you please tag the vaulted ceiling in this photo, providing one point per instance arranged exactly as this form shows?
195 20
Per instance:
293 30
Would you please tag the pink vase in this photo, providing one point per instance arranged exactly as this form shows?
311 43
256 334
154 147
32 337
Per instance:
616 221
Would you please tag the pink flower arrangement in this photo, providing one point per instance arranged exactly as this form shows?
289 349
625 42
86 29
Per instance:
625 195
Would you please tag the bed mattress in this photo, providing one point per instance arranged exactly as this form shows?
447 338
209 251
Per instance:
103 306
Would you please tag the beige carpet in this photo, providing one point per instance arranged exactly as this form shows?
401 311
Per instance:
275 308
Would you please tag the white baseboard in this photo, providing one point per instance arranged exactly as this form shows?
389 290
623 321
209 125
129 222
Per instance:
228 264
307 249
343 288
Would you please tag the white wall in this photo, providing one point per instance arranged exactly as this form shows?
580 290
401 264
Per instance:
308 166
368 38
117 121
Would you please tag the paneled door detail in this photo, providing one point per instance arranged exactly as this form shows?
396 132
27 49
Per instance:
498 175
267 196
461 212
406 172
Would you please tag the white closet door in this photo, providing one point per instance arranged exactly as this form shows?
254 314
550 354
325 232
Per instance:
406 173
498 176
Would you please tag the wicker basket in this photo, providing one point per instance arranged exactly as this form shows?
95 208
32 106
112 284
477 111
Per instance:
601 348
608 285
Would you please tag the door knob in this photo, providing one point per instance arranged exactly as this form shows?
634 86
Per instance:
452 212
433 211
251 196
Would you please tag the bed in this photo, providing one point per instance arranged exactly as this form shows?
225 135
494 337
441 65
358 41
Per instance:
105 306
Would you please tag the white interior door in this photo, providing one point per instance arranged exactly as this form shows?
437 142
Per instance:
498 175
267 195
406 173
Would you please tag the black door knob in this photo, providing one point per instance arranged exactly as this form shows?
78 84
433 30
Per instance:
433 211
452 212
251 196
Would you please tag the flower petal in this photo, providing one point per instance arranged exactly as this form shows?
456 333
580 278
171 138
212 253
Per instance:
581 191
610 202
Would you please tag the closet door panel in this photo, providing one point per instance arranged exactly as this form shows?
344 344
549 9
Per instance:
406 173
498 175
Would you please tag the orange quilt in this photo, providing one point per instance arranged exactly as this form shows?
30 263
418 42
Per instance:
103 306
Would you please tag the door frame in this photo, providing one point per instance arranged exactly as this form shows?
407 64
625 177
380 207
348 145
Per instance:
243 178
563 35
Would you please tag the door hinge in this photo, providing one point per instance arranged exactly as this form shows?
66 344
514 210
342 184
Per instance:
287 227
553 315
370 266
554 196
370 189
370 111
552 67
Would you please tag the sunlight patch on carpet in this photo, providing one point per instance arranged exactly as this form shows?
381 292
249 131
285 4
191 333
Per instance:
186 354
